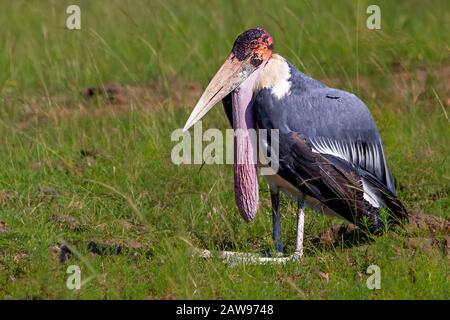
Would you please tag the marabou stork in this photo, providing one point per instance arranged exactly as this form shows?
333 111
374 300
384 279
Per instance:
331 156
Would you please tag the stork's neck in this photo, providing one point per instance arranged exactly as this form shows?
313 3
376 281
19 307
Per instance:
275 75
246 189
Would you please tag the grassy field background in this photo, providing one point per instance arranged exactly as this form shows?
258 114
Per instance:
93 171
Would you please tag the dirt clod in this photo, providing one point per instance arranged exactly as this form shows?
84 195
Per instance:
61 165
114 93
46 191
3 227
19 257
428 245
325 275
60 252
340 234
87 158
8 195
117 247
66 221
425 222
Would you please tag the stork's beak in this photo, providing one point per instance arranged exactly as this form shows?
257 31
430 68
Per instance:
230 75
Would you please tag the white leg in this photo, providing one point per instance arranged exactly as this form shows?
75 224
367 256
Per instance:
300 227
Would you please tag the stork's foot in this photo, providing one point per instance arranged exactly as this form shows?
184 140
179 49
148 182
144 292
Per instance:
236 258
278 254
297 255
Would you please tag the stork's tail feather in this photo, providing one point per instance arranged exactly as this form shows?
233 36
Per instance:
396 212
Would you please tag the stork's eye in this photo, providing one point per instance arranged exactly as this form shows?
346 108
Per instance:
254 43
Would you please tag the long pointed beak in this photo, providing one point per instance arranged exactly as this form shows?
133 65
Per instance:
230 75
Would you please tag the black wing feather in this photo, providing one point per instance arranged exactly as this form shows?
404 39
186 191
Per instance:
328 179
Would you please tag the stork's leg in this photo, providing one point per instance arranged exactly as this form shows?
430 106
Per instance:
300 227
276 221
234 258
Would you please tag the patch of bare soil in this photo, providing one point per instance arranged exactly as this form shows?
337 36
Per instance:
424 232
111 99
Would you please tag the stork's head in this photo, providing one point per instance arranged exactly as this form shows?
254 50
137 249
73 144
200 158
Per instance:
255 44
251 51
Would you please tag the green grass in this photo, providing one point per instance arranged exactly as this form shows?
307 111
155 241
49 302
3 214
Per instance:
132 193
